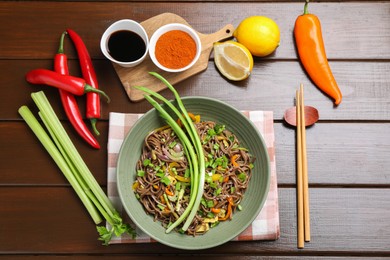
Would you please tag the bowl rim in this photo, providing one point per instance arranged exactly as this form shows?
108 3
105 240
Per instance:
225 239
169 27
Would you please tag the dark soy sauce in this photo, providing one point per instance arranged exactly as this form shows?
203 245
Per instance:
126 46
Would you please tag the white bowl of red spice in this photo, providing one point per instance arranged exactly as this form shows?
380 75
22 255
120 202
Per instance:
174 47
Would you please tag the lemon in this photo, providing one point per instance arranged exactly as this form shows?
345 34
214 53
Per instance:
259 34
233 60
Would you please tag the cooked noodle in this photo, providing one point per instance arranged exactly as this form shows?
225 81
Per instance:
163 181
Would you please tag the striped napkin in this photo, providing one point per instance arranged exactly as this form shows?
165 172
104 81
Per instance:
266 224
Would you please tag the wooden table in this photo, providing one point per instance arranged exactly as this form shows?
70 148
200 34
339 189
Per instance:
348 149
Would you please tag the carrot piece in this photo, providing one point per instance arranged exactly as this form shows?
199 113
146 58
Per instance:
229 210
233 160
168 191
215 210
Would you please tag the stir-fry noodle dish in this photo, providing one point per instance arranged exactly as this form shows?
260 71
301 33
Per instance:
163 181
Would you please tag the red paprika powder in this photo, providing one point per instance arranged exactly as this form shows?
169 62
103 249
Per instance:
175 49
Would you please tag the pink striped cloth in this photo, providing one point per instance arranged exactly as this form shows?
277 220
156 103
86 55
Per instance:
266 224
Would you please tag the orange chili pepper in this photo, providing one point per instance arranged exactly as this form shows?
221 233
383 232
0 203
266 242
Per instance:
311 50
233 160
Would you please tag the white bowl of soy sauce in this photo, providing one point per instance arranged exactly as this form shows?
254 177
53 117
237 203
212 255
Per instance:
125 43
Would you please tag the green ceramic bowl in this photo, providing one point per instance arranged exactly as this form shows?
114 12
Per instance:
254 198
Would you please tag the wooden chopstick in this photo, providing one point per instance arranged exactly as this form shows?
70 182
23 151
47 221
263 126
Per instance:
300 211
302 176
305 182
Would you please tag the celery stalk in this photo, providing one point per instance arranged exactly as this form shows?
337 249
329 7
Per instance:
65 156
74 168
47 142
46 109
75 172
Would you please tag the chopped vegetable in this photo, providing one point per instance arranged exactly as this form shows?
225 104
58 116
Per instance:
242 176
215 210
229 211
70 162
168 191
135 185
140 173
165 180
233 160
194 118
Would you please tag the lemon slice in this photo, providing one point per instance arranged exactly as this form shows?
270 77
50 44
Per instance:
233 60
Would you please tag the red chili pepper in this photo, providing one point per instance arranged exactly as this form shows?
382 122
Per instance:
93 99
74 85
69 101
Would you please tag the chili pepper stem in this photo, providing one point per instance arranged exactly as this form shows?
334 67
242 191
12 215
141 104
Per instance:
89 88
93 124
305 11
61 46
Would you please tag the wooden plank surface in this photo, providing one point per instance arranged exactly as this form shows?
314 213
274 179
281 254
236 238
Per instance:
332 214
338 154
272 85
352 30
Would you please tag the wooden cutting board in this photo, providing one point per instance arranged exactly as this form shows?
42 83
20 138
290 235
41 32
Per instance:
139 76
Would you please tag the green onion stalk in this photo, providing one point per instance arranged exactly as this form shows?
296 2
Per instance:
198 161
191 155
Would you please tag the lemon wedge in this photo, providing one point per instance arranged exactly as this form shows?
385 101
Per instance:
233 60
